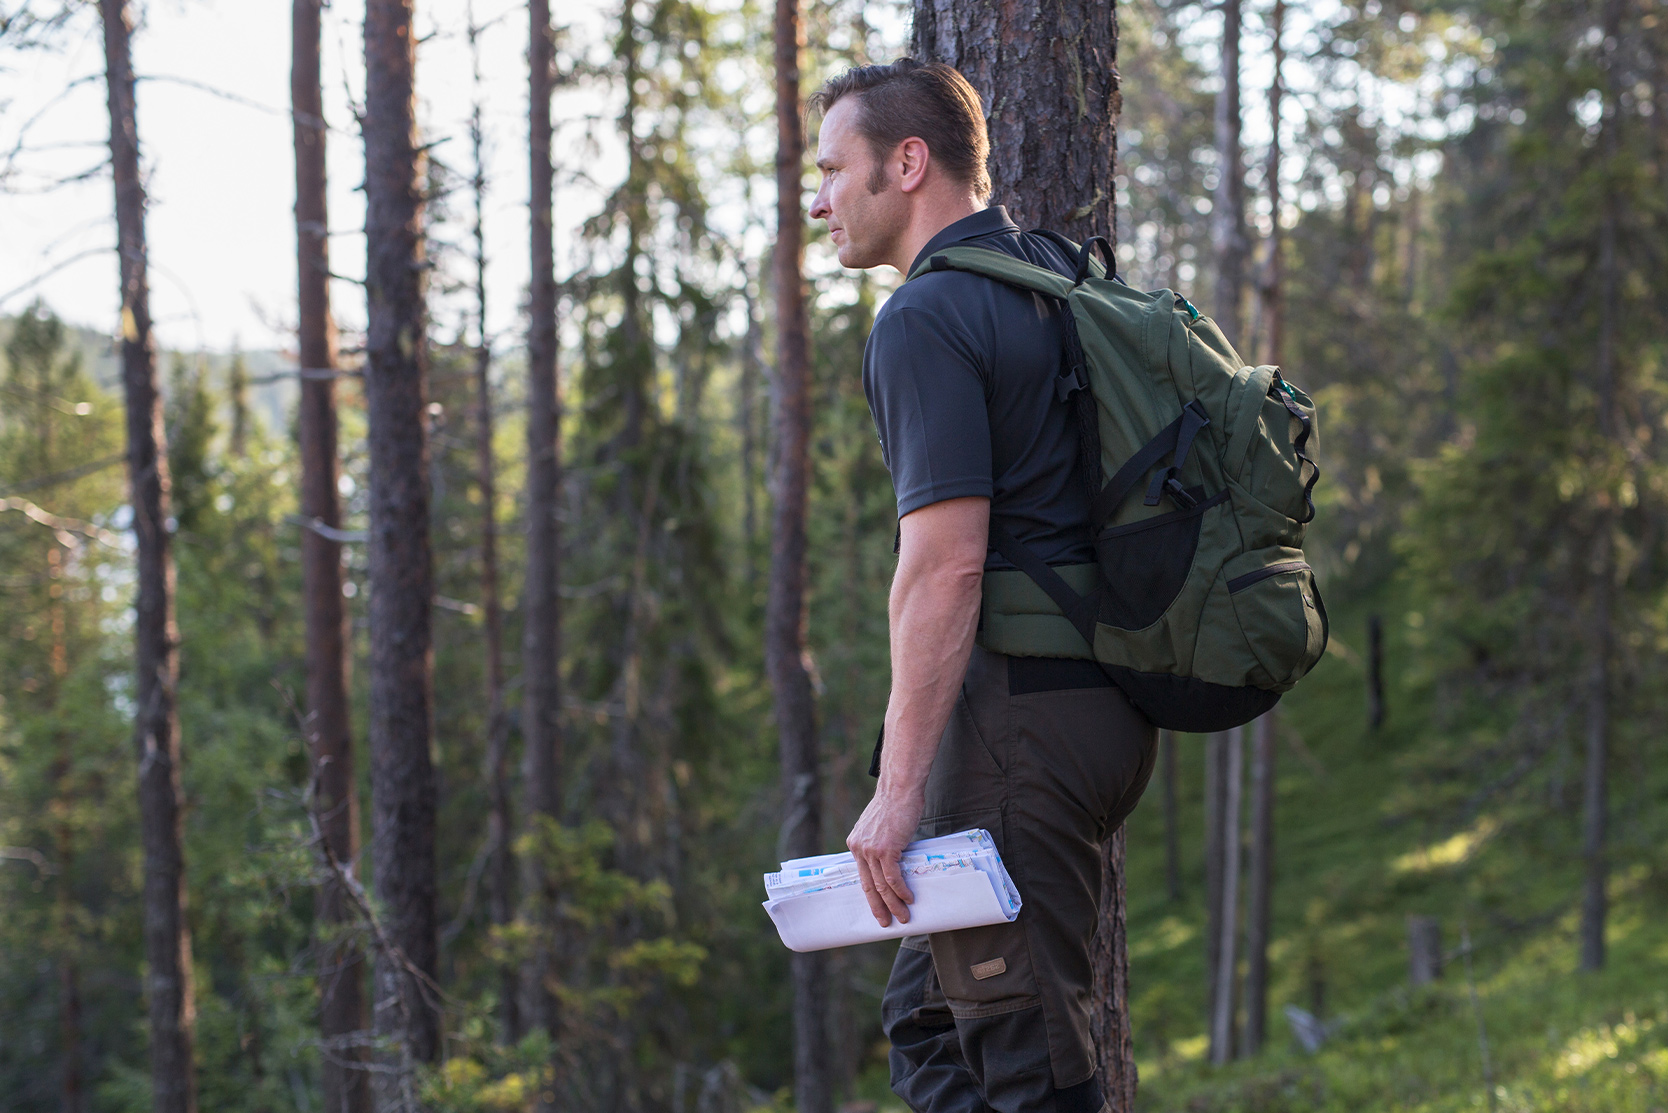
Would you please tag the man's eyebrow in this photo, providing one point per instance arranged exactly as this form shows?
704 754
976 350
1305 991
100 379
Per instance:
824 163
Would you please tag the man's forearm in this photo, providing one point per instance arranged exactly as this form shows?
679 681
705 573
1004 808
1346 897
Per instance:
934 614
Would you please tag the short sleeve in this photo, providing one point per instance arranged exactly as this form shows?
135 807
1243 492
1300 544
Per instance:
927 394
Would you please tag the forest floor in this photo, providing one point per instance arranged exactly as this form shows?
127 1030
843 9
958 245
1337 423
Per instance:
1373 828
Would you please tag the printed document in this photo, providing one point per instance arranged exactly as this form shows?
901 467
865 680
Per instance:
958 881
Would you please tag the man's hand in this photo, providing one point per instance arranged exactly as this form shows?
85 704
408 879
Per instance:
882 831
933 614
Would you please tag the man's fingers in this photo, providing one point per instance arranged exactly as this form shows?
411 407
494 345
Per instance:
877 906
898 895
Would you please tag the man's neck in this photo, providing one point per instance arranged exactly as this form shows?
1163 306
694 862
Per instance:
928 223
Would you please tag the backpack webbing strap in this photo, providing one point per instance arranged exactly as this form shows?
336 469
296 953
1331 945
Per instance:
1080 610
1278 388
1176 437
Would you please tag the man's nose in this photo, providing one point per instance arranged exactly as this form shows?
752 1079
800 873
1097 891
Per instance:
819 207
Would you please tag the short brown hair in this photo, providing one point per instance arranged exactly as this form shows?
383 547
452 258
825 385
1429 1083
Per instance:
932 102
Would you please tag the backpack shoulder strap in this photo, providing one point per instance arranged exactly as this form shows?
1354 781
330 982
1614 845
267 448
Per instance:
998 266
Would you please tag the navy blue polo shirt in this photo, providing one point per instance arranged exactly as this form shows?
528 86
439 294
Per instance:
959 372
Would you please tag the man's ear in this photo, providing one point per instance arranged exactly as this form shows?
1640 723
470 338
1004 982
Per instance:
912 156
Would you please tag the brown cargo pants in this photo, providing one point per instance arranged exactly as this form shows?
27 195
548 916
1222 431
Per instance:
1049 757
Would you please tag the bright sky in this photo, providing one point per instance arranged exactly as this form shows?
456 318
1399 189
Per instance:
221 172
216 140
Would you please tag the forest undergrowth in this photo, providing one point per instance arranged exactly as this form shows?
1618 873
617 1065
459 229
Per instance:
1369 832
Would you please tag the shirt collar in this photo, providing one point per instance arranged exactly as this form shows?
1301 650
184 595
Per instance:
986 222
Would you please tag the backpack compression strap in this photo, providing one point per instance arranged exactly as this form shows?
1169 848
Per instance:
1080 610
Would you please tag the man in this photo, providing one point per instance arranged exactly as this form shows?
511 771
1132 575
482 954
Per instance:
1045 753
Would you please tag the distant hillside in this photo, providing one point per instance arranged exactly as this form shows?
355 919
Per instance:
272 398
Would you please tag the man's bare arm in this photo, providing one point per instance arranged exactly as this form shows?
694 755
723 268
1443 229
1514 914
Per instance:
934 612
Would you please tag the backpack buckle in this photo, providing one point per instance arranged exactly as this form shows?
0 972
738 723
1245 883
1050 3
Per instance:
1070 383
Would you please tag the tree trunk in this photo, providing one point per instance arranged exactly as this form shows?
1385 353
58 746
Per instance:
541 644
1214 800
346 1082
1109 1020
1172 834
1223 778
785 606
1375 672
401 567
1059 177
1273 302
156 732
501 857
1228 236
1596 791
1260 893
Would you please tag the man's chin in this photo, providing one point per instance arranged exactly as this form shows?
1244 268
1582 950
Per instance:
853 258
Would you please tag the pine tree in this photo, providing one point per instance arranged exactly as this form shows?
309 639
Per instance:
169 987
406 1008
346 1082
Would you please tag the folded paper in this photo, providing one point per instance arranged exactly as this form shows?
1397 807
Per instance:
958 881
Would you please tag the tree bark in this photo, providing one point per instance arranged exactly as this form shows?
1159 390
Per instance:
541 641
1109 1020
1259 896
346 1082
1273 301
1375 672
156 734
1172 834
1214 808
1031 61
785 604
403 791
1228 235
1223 778
1224 999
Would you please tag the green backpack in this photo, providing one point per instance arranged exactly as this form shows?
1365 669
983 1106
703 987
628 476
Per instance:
1199 604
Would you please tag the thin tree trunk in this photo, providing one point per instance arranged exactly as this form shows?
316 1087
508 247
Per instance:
752 372
541 644
1172 834
1375 672
1228 234
1224 999
403 790
156 731
1060 178
1215 807
1259 896
1596 792
1109 1020
346 1082
1273 302
785 608
501 857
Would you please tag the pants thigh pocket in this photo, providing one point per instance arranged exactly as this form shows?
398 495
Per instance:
985 971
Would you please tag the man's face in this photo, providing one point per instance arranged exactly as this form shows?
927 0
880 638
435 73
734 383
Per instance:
864 222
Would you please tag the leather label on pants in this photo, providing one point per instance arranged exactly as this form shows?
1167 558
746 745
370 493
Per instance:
983 970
